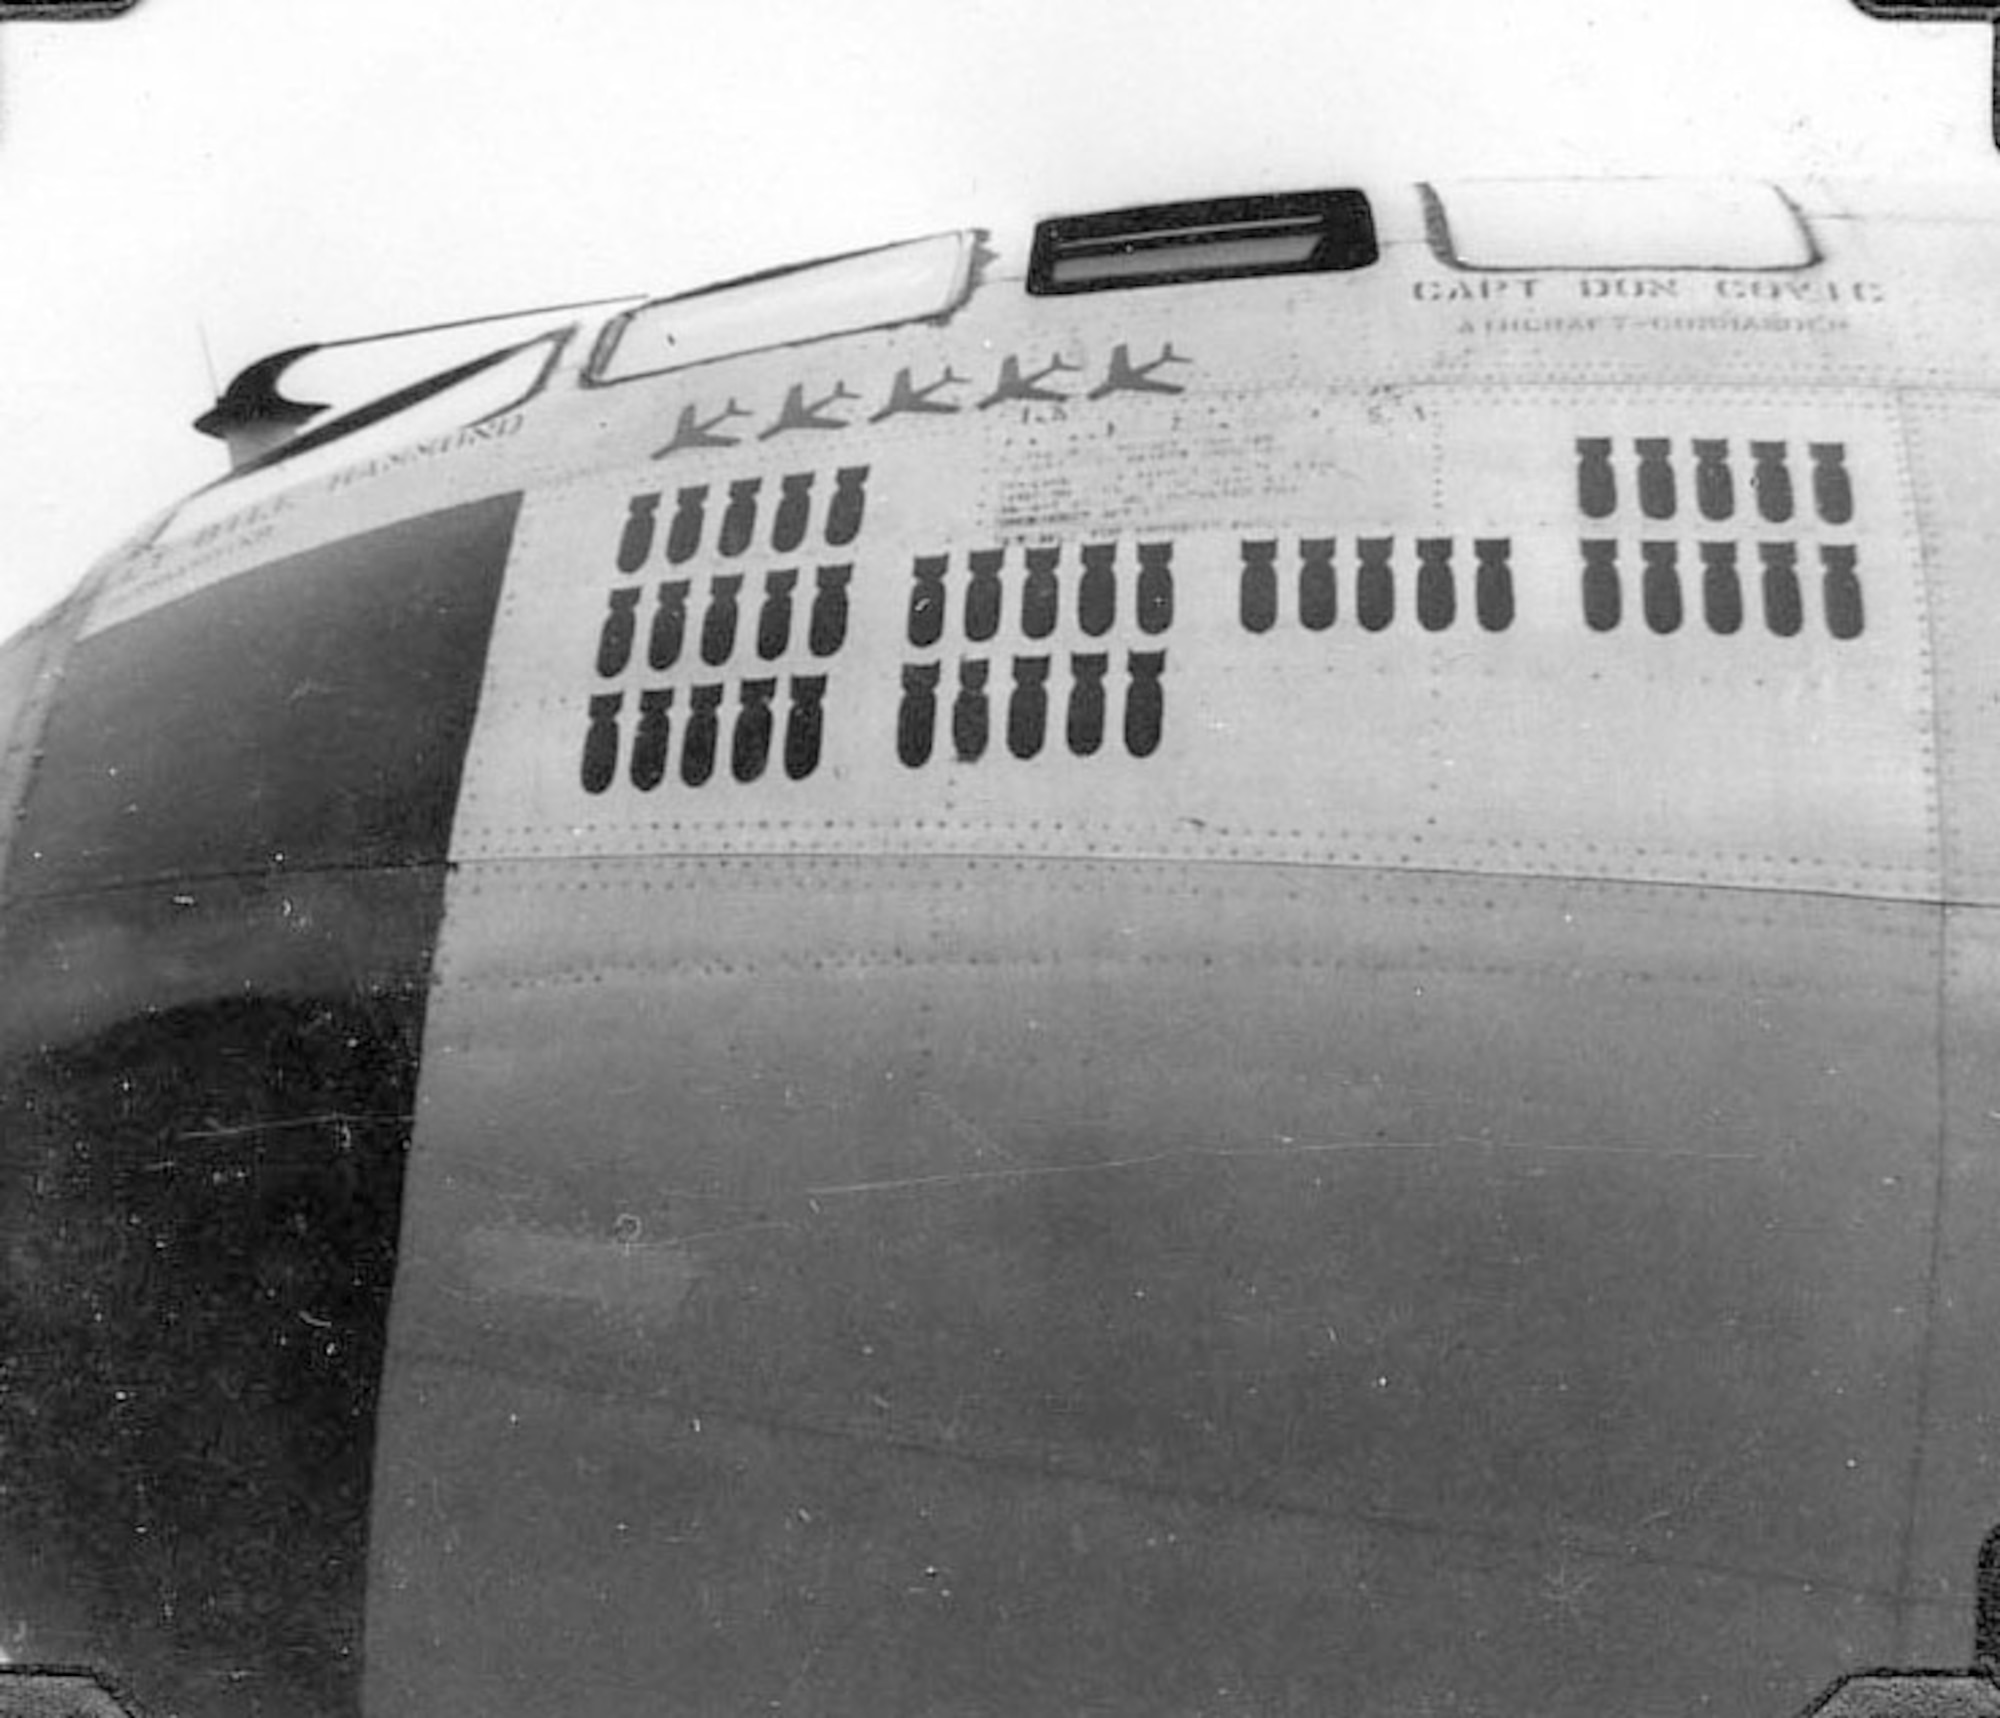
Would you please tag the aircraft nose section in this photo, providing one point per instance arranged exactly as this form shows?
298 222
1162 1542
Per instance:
30 663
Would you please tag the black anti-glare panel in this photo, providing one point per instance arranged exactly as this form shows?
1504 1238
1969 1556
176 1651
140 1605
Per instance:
216 931
198 1222
1217 238
312 713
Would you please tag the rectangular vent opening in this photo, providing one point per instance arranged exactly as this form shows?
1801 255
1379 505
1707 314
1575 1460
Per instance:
1217 238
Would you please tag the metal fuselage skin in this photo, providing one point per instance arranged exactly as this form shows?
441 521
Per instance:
1268 996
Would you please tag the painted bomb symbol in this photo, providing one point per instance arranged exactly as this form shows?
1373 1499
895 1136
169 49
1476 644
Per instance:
1833 491
1603 592
663 647
1145 702
1040 593
1085 726
982 595
927 600
1771 481
635 541
1028 710
968 712
703 731
774 619
788 528
614 640
1721 589
600 741
1319 594
850 502
751 749
718 626
1156 587
1097 590
1657 495
1660 586
684 534
1375 584
1784 613
739 519
1596 480
916 719
1841 591
1714 482
828 631
649 746
806 727
1257 592
1495 599
1437 589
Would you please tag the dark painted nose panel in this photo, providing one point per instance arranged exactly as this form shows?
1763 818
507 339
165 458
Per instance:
313 713
222 895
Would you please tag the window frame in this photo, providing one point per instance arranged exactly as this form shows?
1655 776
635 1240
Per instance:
1348 241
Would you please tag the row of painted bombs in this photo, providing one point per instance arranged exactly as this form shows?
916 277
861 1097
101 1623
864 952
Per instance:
1661 599
1722 600
1714 479
930 603
666 633
1657 483
1375 583
1041 593
754 720
1084 716
791 518
752 734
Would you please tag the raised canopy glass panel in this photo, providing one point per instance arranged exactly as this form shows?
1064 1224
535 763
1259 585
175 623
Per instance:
1623 223
871 289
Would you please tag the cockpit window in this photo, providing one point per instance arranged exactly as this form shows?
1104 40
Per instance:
918 281
1220 238
1616 223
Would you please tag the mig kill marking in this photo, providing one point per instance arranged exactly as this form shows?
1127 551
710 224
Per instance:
1013 384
